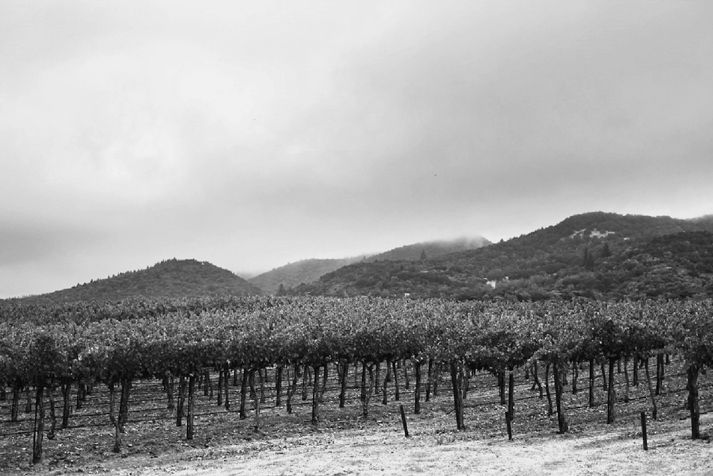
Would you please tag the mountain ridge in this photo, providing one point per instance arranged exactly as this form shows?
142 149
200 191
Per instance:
575 257
596 254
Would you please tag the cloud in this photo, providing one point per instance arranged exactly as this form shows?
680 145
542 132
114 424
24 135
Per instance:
255 133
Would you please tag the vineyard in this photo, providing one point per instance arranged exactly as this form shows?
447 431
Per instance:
64 368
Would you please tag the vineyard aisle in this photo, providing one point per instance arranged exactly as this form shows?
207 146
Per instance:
380 450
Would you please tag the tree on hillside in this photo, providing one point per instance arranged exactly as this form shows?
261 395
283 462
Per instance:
588 260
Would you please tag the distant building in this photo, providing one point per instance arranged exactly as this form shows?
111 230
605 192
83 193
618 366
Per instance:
493 283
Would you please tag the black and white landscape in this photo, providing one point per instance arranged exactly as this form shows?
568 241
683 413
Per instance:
233 233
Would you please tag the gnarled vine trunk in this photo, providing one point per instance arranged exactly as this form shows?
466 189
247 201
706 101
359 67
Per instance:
39 425
693 405
561 418
456 381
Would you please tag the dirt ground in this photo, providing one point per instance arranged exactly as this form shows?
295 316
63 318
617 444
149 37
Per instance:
382 449
386 453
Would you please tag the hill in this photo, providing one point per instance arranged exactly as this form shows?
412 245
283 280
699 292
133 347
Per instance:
300 272
310 270
168 279
430 249
593 254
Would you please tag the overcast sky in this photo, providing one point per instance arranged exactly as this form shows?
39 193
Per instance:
252 134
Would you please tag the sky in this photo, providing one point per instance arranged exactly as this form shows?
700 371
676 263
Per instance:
253 134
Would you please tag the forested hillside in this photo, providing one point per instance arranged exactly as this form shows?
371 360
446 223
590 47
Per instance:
294 274
168 279
430 249
594 254
279 280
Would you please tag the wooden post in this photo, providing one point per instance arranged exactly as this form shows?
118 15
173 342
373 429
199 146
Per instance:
417 390
643 431
397 396
315 396
508 424
403 420
626 379
590 400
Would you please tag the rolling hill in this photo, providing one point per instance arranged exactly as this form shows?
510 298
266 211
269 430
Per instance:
168 279
429 249
593 254
300 272
310 270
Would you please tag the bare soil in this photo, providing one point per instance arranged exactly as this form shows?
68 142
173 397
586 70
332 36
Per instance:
289 445
380 450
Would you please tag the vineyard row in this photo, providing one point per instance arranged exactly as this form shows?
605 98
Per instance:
51 349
